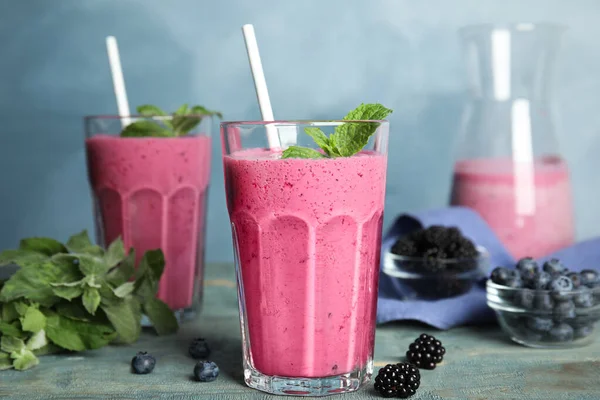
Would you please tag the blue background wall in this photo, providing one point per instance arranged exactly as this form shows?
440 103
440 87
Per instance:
321 58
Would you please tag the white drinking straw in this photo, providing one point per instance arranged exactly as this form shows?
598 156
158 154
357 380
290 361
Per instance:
260 85
118 82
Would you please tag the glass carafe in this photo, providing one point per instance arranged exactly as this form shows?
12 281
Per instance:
508 164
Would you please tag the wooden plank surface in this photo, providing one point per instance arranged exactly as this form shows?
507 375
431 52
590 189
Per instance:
480 363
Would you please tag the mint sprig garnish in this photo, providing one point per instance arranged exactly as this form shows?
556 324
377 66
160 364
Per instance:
76 296
162 124
347 139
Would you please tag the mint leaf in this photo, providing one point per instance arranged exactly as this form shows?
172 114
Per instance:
33 320
9 344
350 138
20 307
77 335
91 299
321 140
125 317
151 265
184 124
11 329
92 266
182 110
46 246
24 359
5 361
9 312
200 110
73 310
148 110
33 283
161 316
21 257
145 128
115 253
79 242
37 341
124 290
301 152
122 272
68 292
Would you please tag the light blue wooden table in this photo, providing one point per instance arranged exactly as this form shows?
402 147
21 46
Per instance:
480 364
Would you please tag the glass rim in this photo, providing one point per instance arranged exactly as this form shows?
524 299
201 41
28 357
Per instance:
322 122
513 26
139 116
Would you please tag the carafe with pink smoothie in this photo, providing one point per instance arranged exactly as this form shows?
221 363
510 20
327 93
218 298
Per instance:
509 167
152 191
307 240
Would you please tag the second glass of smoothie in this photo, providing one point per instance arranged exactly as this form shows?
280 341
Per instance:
152 191
307 237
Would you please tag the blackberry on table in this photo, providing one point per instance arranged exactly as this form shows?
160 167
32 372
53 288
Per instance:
398 380
425 352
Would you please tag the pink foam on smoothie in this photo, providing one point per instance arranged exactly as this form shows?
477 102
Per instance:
152 192
528 205
308 235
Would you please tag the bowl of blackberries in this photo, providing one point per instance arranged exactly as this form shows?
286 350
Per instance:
547 305
435 262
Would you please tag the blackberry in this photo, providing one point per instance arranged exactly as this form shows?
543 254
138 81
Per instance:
404 247
425 352
398 380
432 258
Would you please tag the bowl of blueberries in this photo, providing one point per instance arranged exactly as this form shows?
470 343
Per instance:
435 262
547 306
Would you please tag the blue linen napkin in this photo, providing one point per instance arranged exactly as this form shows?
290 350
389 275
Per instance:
470 308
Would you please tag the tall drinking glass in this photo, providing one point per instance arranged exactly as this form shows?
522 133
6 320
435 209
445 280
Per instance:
152 192
307 239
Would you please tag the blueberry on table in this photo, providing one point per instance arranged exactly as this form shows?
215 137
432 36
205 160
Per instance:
199 349
527 267
142 363
398 380
561 333
206 371
554 267
539 324
589 278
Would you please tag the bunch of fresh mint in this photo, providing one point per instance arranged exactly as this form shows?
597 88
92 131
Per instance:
76 296
347 139
162 124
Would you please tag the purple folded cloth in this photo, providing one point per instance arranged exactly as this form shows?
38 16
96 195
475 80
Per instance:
470 308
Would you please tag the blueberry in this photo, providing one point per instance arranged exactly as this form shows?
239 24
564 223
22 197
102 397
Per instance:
554 267
543 302
528 268
199 349
584 298
589 278
206 371
583 331
514 280
525 298
500 275
575 278
539 324
532 336
541 280
142 363
560 287
564 310
561 333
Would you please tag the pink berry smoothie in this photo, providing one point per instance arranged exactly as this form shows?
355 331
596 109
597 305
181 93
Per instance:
528 205
152 192
308 236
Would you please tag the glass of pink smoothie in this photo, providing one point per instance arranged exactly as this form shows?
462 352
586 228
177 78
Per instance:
307 241
152 191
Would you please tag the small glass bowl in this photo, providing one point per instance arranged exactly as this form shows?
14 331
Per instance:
546 319
436 279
